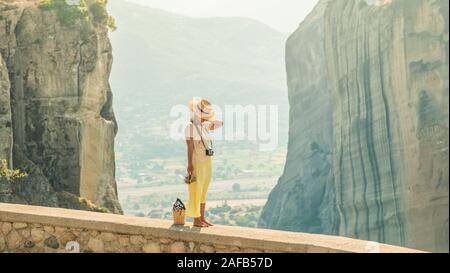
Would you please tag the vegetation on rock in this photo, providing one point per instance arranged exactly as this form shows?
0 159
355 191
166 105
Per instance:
100 14
68 200
69 15
8 173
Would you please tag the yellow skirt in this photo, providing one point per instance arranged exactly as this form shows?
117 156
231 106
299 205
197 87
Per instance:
198 189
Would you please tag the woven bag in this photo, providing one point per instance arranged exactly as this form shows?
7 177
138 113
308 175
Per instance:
179 213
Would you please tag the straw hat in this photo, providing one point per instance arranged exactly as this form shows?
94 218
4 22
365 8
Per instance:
202 108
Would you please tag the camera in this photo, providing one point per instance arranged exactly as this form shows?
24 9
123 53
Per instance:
209 152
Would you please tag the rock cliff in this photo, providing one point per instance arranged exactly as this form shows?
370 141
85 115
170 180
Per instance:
386 68
304 197
56 104
5 113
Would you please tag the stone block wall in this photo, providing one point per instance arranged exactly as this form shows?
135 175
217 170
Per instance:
28 238
31 229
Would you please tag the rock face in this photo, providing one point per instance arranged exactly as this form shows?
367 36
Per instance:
62 122
304 197
5 113
387 74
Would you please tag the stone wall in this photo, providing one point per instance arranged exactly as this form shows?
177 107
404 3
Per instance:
43 229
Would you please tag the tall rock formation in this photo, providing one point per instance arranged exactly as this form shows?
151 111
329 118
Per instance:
304 197
58 58
387 70
5 114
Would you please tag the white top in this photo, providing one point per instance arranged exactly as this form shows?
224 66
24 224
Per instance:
193 132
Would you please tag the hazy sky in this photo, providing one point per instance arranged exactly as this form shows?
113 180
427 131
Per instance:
284 15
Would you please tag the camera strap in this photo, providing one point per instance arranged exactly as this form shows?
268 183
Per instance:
201 136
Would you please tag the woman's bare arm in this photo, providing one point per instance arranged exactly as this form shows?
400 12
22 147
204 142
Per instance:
215 125
190 153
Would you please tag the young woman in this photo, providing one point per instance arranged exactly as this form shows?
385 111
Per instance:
199 152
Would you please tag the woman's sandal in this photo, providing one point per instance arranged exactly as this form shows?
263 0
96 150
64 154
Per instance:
207 223
201 225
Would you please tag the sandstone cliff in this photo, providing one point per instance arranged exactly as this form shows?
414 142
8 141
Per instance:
387 73
5 113
58 109
303 199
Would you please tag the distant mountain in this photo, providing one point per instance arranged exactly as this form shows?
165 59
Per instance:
157 51
163 59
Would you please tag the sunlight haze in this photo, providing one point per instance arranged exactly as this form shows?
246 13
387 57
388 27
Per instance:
284 15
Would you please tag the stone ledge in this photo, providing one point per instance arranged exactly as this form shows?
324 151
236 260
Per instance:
243 238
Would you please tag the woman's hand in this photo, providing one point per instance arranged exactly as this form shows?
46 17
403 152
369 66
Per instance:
190 169
216 125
